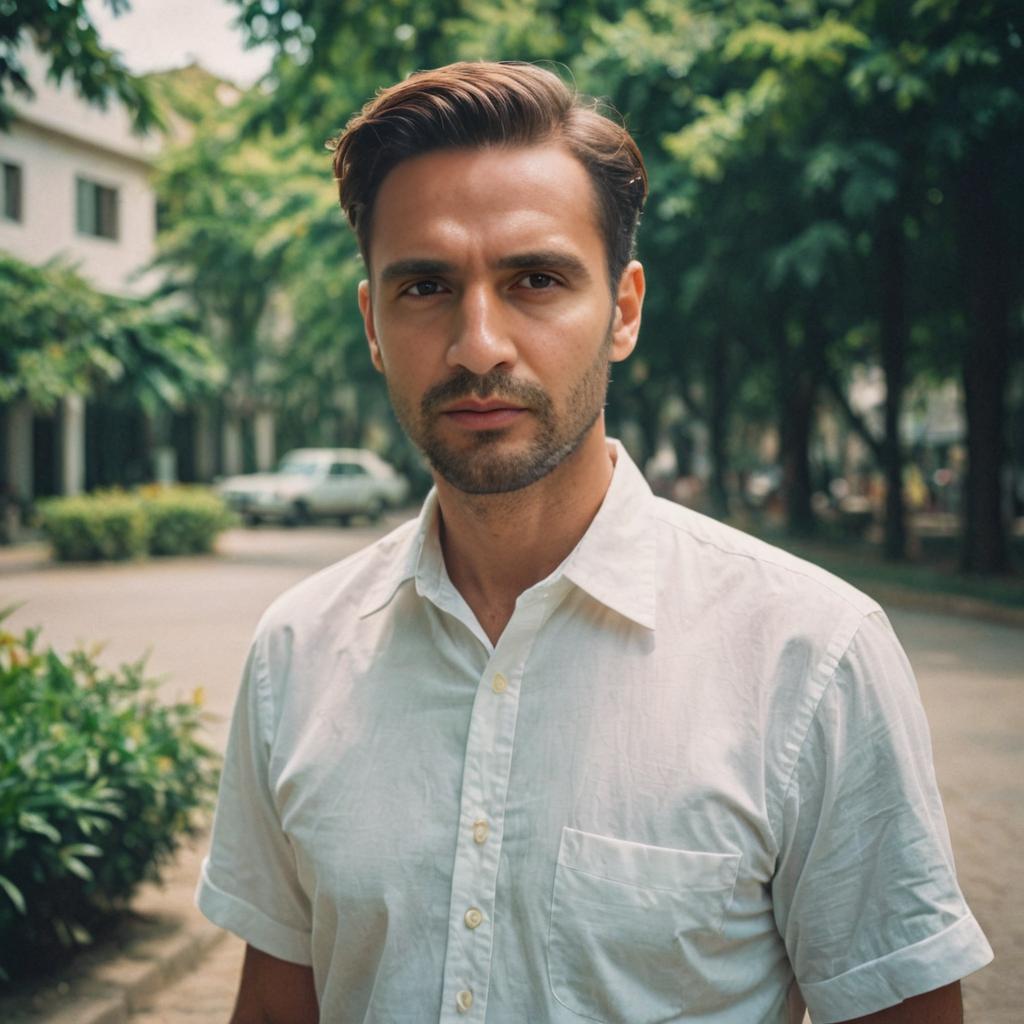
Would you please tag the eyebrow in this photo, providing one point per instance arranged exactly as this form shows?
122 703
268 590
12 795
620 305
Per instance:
549 259
415 268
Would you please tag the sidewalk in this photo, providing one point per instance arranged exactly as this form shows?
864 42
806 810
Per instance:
163 938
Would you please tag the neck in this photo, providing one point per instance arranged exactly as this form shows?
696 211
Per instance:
498 545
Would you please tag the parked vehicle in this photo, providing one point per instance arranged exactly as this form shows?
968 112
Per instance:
317 483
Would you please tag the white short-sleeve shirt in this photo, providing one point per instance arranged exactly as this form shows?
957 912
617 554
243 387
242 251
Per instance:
692 770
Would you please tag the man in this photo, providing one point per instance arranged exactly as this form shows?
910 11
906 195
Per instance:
559 750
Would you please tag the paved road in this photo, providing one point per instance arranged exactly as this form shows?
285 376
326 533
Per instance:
196 617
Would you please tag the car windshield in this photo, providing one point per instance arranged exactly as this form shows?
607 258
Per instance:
296 467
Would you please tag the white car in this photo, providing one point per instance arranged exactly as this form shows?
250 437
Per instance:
317 483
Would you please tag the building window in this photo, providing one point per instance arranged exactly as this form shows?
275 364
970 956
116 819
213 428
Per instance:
95 209
10 191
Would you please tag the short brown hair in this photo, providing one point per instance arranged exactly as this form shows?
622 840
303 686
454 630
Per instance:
476 104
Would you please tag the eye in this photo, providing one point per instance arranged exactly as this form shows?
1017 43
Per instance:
538 282
421 289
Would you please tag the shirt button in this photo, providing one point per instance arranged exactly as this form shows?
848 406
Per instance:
480 831
464 1000
473 918
500 684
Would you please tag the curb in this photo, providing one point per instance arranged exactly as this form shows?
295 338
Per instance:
162 938
122 987
889 595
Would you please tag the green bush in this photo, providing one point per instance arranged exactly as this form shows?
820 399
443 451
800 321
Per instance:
113 525
183 520
110 525
99 782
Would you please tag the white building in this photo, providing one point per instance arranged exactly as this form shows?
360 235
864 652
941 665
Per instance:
74 185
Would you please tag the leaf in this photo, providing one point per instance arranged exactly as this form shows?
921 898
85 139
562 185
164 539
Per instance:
77 867
83 850
14 893
34 823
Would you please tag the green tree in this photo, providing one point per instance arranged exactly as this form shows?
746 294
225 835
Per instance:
852 120
62 337
66 35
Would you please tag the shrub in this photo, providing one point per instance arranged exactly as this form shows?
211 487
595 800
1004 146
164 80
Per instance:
107 525
183 520
112 525
99 782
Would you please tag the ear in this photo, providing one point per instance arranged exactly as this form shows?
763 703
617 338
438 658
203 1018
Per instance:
366 309
629 302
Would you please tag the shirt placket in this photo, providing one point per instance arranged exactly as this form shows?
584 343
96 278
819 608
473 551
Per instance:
488 763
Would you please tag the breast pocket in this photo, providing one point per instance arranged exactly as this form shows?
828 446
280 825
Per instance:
631 925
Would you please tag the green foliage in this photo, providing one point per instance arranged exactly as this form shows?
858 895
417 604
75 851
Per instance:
110 526
99 782
62 336
66 36
114 525
183 520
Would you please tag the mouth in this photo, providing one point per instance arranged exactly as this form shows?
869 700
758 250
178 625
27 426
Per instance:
483 413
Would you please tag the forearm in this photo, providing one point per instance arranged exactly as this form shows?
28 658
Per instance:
941 1006
273 991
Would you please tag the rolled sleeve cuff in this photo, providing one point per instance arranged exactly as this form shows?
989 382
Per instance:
250 923
939 960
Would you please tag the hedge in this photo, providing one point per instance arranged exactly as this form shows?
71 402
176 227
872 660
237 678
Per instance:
116 525
183 520
109 526
99 783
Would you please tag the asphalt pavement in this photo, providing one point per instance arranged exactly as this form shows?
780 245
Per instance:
195 617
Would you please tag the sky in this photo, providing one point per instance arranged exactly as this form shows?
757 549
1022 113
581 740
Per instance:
159 34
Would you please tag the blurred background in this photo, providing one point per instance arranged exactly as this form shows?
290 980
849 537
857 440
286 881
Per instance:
834 244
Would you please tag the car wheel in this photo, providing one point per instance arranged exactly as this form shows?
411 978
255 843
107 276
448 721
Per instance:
299 515
375 510
251 519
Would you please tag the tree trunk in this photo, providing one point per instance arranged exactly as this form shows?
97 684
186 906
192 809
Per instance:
893 323
986 360
718 427
798 390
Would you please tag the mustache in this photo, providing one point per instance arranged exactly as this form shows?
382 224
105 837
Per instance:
496 383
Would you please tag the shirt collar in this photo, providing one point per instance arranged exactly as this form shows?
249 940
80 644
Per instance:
613 562
402 557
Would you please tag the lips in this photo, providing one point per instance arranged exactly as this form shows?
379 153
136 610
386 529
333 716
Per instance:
482 405
483 413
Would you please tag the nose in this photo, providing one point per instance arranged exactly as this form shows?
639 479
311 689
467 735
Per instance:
480 333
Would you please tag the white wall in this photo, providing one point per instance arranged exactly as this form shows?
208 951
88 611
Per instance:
61 109
55 138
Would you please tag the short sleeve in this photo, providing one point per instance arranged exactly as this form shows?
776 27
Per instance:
249 883
865 891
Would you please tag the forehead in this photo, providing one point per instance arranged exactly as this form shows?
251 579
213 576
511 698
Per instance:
491 202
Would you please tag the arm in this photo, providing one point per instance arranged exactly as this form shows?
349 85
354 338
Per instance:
942 1006
274 991
863 810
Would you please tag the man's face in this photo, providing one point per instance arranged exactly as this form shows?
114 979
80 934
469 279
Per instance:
489 310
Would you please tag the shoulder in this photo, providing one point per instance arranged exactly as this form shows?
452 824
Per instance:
720 560
779 627
331 600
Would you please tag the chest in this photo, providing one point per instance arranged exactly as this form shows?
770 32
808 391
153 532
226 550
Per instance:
388 755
